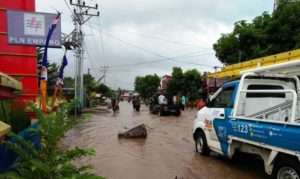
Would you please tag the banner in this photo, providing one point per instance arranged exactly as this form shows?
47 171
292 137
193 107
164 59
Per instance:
44 73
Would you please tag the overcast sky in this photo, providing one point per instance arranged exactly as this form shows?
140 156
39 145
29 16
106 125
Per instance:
140 37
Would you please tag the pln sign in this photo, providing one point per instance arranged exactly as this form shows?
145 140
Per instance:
27 28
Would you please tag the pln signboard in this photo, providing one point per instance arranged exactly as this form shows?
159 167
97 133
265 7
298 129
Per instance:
31 28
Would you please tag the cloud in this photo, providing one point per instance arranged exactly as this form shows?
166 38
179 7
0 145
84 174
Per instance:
141 31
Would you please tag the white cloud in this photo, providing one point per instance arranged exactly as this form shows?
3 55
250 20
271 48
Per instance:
194 22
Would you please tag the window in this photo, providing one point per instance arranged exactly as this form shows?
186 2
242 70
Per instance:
265 95
224 98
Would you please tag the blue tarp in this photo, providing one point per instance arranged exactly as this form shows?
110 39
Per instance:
8 157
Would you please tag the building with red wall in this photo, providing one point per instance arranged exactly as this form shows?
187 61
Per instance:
18 61
164 82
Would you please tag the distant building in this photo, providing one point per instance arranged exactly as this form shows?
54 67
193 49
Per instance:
126 94
164 82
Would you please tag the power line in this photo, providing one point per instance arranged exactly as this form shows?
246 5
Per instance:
89 57
142 49
155 38
102 46
69 7
94 49
165 59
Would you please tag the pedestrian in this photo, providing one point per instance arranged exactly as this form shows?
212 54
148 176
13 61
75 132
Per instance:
174 99
183 102
162 100
201 104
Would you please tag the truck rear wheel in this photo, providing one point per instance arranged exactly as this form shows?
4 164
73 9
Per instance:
201 144
287 168
178 113
161 113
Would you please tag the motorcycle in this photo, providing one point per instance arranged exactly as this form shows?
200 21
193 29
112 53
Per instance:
115 105
136 103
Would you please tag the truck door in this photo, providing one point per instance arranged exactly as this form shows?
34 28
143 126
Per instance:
220 108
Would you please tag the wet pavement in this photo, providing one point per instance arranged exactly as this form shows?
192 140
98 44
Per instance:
167 152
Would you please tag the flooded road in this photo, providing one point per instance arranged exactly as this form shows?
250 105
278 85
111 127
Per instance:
167 152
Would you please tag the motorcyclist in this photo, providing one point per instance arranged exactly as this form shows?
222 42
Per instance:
114 103
136 103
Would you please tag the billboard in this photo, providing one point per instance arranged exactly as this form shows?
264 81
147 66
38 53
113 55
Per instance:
31 28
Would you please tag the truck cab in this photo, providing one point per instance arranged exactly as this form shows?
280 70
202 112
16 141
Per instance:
258 114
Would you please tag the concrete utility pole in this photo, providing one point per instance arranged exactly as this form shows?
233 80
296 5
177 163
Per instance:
80 16
104 72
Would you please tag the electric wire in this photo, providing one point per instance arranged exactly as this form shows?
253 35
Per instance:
92 48
102 46
89 57
69 7
164 59
155 38
94 52
142 49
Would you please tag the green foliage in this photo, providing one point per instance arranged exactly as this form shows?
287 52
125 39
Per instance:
265 35
102 88
192 82
49 161
146 85
91 85
176 84
89 82
186 83
14 115
227 48
69 82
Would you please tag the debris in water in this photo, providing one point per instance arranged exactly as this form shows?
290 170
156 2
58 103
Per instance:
178 177
136 132
185 139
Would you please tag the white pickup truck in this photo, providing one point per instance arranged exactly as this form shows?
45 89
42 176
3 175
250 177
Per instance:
259 114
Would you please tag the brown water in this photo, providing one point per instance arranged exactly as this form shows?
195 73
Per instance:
167 152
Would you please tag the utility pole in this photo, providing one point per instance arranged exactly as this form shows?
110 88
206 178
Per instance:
104 72
80 16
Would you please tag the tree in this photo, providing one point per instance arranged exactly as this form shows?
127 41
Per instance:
103 89
147 85
69 82
265 35
175 85
89 82
226 48
192 83
187 83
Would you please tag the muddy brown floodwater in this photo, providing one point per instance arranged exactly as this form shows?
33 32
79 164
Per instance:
167 152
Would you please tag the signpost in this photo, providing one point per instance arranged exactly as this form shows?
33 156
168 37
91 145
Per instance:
28 28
